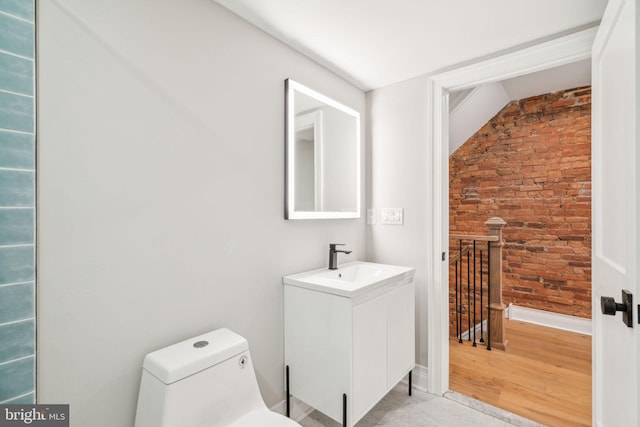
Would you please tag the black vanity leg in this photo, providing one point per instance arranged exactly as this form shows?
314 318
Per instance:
344 410
410 372
286 382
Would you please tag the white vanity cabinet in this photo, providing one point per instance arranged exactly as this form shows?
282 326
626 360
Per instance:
348 338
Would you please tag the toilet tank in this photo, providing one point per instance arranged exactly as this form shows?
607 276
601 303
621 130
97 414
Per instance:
207 381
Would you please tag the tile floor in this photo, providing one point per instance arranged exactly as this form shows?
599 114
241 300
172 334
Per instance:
398 409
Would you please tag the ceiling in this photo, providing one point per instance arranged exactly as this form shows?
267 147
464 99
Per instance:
374 43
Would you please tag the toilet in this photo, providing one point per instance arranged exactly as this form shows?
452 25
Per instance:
205 381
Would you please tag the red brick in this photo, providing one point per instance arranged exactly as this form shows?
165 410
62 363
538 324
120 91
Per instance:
530 165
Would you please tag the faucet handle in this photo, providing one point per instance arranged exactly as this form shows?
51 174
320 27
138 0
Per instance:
332 246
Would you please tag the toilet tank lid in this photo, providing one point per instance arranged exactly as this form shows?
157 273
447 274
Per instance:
173 363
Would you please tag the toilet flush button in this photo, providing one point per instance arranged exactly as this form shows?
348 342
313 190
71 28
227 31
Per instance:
201 344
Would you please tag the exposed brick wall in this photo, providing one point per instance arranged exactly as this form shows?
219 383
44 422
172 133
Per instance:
530 165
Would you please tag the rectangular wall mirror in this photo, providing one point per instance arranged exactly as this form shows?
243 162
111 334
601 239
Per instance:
322 144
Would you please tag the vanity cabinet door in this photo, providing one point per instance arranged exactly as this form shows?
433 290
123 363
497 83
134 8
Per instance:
401 330
317 348
369 355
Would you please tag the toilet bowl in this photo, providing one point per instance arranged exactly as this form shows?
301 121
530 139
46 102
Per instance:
205 381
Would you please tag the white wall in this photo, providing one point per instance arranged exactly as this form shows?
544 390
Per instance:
398 178
161 193
567 76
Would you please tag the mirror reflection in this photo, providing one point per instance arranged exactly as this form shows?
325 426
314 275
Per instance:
323 156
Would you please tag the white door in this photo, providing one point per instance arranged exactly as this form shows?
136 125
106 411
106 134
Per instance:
616 227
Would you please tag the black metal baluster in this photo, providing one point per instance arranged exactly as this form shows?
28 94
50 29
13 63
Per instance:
460 306
469 295
456 286
488 295
481 306
474 293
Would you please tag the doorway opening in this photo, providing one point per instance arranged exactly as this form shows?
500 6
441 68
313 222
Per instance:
563 50
530 166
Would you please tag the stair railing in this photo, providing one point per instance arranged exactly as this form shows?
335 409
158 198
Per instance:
474 248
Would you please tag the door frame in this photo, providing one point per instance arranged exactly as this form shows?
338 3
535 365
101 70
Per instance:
544 55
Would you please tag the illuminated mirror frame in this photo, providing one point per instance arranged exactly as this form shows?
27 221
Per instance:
291 87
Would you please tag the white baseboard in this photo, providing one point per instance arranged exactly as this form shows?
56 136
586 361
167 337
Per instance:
465 334
299 409
418 378
552 320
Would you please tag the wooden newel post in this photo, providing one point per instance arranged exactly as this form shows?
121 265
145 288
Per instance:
498 339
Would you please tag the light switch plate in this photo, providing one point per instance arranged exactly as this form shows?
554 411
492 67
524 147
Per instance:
392 216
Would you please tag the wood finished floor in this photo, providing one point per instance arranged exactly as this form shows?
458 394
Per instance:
545 374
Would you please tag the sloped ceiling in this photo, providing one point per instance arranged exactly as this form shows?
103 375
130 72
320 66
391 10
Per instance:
374 43
470 109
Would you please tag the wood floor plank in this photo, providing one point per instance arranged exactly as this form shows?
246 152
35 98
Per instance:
545 374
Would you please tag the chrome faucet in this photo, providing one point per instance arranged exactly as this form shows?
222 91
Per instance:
333 255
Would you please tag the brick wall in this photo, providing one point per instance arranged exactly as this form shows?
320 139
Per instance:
530 165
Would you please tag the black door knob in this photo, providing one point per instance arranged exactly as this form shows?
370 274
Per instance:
610 307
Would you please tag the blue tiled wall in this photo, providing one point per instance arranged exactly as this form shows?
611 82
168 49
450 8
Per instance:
17 201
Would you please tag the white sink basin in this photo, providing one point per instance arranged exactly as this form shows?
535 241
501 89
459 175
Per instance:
356 272
351 279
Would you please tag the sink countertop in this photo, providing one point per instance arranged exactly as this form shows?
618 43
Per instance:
351 279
